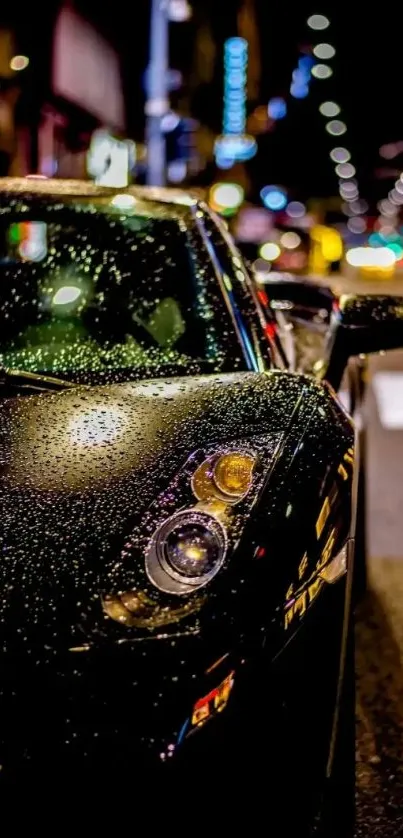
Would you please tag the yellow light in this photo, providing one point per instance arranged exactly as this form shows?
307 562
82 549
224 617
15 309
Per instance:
269 251
330 242
19 62
233 473
370 257
192 551
290 240
226 196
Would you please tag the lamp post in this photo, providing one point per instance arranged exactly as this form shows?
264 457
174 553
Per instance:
157 102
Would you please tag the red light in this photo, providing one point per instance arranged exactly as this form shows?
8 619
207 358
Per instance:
270 330
263 297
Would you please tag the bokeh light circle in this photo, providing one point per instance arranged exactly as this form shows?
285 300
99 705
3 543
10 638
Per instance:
19 62
318 22
269 251
226 196
349 190
340 155
296 209
324 51
277 108
336 127
273 198
299 91
329 109
290 240
357 224
322 71
345 170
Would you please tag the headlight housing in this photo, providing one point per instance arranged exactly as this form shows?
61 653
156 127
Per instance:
192 529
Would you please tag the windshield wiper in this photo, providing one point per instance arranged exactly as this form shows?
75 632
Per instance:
31 381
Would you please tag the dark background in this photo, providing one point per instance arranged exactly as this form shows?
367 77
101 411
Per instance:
367 79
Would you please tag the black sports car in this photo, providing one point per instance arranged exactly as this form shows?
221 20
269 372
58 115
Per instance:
177 520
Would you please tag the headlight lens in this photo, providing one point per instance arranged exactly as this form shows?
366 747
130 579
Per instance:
227 477
233 474
186 552
192 550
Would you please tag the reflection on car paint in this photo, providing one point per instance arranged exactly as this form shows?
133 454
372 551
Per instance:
297 604
295 600
303 566
214 702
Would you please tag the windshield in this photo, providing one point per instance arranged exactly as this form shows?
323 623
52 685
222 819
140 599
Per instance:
87 293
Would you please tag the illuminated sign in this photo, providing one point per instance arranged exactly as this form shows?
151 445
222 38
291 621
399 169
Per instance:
234 144
235 66
109 160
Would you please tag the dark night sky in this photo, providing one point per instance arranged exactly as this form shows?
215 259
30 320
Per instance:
366 80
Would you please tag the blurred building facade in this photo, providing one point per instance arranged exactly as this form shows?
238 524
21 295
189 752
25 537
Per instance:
72 86
9 94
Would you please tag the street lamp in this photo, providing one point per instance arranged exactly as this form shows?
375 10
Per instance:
157 103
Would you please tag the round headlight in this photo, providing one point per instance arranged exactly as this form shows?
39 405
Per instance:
227 477
233 473
186 552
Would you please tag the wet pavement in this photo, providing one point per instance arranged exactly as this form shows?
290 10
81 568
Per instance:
379 633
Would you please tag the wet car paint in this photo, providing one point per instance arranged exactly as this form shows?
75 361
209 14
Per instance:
86 476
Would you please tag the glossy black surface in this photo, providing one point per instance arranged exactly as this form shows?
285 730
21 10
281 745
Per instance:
101 672
362 324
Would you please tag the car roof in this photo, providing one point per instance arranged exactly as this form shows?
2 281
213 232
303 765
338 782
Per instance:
178 201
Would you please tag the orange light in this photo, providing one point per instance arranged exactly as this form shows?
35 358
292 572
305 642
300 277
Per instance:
233 473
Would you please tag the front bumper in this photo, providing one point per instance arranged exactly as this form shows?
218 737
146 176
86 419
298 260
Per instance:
114 709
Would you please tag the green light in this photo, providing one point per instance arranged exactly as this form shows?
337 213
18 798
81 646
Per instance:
396 248
14 233
375 240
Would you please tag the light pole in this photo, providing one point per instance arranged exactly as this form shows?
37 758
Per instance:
157 102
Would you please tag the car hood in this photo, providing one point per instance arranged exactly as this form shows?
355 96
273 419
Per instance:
79 468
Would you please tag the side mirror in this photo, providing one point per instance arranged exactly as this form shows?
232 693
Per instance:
294 292
360 325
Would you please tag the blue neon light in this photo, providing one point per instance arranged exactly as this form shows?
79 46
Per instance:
235 64
299 91
234 144
235 147
301 77
273 198
277 108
